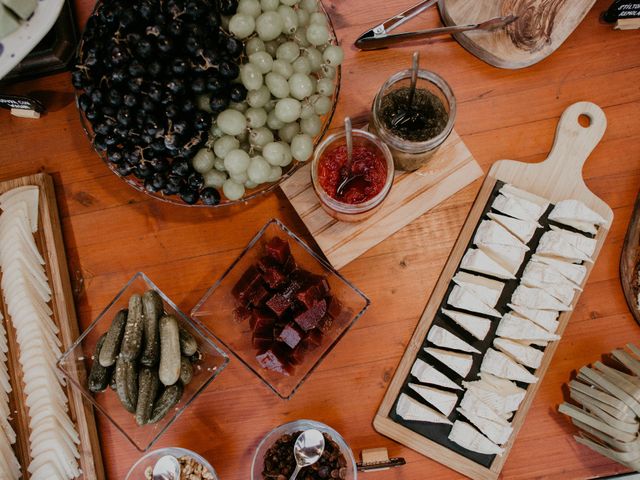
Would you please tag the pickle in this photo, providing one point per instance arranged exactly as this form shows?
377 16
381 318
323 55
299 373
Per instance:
111 346
188 344
148 384
186 371
169 371
152 309
169 399
127 383
99 376
132 340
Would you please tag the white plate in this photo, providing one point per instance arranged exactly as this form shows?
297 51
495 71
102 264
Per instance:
14 47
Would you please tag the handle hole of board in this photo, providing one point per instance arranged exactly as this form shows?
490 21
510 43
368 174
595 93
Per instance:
584 120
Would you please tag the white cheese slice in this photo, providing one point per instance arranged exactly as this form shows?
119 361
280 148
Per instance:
547 319
458 362
490 232
476 326
24 9
466 299
582 226
444 338
527 356
444 401
472 403
517 208
503 396
494 431
575 210
28 194
571 271
513 191
523 229
517 328
426 373
489 290
508 256
537 298
475 260
469 438
412 410
539 275
556 245
584 244
498 364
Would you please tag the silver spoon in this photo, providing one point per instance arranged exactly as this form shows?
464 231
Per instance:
167 468
347 176
409 114
307 450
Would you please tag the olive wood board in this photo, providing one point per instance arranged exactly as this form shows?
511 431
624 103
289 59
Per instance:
629 260
451 168
558 178
50 243
497 47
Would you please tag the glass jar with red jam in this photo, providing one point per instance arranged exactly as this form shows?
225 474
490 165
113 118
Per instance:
364 186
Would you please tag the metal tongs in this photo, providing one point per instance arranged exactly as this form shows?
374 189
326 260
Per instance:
379 37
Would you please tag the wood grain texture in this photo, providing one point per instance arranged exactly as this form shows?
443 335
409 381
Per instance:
413 193
541 28
50 244
111 232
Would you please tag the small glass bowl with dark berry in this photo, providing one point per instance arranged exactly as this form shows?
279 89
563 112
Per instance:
280 308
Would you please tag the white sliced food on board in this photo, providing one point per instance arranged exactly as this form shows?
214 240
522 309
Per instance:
471 439
508 256
508 390
497 432
584 244
28 194
575 211
524 354
500 365
472 403
515 327
443 400
458 362
466 299
555 244
517 208
10 466
475 260
445 339
571 271
487 289
539 275
426 373
537 298
15 232
490 232
585 227
513 191
35 273
547 319
412 410
523 229
477 326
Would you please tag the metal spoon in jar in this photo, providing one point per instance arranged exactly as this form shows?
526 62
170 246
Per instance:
409 114
346 175
167 468
307 450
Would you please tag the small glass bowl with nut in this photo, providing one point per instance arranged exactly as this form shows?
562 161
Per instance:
192 465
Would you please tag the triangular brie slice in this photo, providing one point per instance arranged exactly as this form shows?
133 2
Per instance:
539 275
571 271
466 299
511 191
522 229
472 403
527 356
508 256
517 208
426 373
490 232
503 396
556 245
476 326
547 319
475 260
487 289
468 437
412 410
458 362
494 431
575 210
584 244
585 227
444 401
537 298
498 364
517 328
445 339
28 194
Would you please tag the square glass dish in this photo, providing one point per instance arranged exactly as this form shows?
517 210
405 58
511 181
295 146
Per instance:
292 341
76 363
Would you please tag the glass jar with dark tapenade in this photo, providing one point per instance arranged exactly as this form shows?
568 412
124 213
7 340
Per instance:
413 129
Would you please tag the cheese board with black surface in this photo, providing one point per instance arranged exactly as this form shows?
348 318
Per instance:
491 310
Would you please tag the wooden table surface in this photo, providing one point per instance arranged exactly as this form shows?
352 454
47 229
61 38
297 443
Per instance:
112 231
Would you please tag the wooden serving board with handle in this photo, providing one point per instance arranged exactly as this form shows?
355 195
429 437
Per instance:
50 244
521 43
559 177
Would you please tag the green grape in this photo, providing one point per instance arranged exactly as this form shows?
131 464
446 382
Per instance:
232 122
260 137
269 25
312 125
289 131
256 117
242 25
315 58
277 153
303 17
273 121
258 98
277 84
250 7
329 72
289 3
203 103
243 138
276 174
214 178
333 55
251 76
224 145
302 147
233 190
236 161
326 87
249 184
271 104
322 105
288 52
307 110
259 170
203 160
215 131
254 45
272 47
318 18
283 68
239 178
262 60
219 165
240 107
300 86
269 5
289 18
309 5
317 34
300 37
302 65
